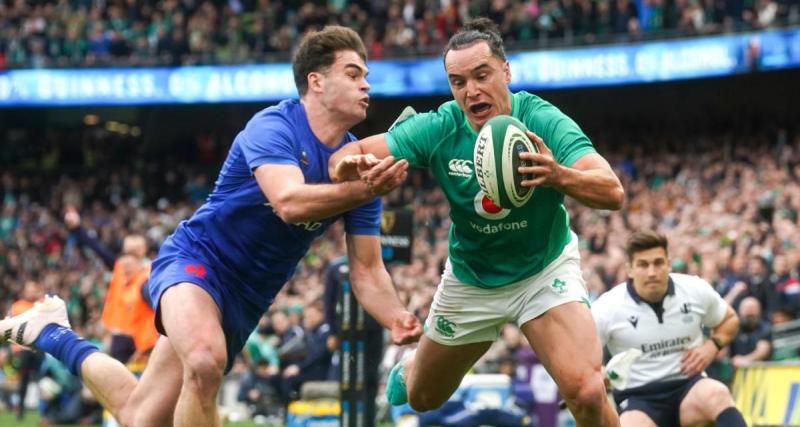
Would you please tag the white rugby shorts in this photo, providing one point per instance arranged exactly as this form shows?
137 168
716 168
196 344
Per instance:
464 314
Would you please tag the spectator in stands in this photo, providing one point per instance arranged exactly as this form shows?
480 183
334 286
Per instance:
8 382
317 361
262 344
758 284
127 314
781 317
257 390
291 340
752 344
63 399
787 284
173 33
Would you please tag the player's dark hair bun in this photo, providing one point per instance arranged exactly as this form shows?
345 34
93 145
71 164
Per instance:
483 25
479 29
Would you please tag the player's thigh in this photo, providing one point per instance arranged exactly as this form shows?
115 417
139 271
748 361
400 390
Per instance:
438 369
704 402
565 340
636 419
153 401
192 321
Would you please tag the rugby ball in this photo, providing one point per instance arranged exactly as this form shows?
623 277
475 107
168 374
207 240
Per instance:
496 161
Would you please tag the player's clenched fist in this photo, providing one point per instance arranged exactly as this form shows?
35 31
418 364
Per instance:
406 329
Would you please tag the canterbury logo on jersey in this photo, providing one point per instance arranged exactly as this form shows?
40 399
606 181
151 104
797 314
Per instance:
460 167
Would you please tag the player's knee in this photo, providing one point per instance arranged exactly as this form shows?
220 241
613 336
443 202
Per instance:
204 369
586 392
424 401
716 399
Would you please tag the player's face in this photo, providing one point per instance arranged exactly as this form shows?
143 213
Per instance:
479 82
33 291
649 270
345 90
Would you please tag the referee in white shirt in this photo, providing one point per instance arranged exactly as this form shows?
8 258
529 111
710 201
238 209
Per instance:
663 315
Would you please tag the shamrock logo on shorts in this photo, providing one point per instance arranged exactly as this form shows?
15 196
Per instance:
559 286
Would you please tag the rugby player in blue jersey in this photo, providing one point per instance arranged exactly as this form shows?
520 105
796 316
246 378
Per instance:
221 269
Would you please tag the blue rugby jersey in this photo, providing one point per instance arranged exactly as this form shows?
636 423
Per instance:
238 233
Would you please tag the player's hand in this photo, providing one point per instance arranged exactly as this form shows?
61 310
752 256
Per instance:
290 371
697 359
740 361
406 329
352 166
384 176
545 170
737 289
72 219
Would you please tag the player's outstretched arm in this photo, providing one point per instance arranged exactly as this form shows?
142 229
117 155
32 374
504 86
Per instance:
295 201
344 164
374 289
590 180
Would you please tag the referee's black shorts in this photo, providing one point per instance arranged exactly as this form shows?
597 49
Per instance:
661 401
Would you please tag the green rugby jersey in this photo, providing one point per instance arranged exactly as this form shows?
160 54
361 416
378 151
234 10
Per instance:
492 247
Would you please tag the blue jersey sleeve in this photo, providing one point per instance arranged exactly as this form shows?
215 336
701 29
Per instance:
365 220
268 138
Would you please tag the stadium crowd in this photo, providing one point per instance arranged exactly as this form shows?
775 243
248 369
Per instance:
85 33
729 204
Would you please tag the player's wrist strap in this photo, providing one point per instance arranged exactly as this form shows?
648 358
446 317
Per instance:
717 343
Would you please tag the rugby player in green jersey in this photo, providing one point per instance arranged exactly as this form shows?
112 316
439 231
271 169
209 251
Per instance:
520 265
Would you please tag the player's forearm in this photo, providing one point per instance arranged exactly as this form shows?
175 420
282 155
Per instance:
727 330
761 352
595 188
374 290
95 245
315 202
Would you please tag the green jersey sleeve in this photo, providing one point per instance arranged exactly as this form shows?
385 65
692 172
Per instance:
561 134
416 138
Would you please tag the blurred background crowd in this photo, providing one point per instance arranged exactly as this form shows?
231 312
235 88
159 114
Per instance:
92 33
729 203
715 166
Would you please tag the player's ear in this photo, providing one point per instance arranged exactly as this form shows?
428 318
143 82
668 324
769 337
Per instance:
507 72
315 82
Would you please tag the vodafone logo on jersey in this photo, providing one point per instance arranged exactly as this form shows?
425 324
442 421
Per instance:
487 209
